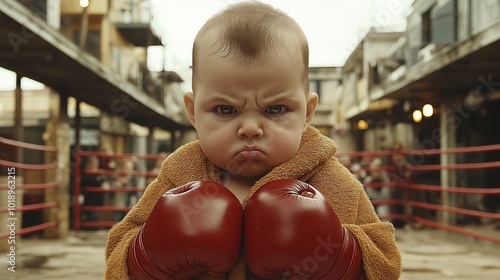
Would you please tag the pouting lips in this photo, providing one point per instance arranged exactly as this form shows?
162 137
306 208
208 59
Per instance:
250 154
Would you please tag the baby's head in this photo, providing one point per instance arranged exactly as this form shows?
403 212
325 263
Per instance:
251 32
250 102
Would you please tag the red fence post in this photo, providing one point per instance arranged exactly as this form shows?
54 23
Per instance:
76 196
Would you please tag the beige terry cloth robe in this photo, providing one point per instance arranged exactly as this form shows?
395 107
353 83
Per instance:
314 163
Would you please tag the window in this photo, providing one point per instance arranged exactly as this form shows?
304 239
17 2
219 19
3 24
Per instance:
315 86
426 28
93 42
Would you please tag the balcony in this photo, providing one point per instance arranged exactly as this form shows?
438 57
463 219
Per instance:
36 50
133 20
139 34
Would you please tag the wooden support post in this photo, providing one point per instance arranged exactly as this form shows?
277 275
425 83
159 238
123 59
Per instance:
84 27
60 138
150 139
448 177
18 120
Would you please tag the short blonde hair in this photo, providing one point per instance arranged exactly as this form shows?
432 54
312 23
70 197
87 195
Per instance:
251 31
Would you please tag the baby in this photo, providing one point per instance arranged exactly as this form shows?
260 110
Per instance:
259 172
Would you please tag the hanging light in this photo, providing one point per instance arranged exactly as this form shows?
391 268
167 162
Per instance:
362 125
427 110
417 116
84 3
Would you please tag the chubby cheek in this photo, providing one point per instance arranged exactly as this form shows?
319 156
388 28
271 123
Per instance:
284 143
215 143
214 153
287 147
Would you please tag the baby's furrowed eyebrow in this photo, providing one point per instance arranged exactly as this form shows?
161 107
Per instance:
273 100
224 99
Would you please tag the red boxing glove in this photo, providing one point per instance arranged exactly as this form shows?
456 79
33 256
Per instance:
291 231
192 229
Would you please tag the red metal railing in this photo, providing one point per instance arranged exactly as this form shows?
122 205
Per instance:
412 193
14 188
79 190
407 181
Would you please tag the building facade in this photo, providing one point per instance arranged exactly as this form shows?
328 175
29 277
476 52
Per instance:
97 92
436 86
446 58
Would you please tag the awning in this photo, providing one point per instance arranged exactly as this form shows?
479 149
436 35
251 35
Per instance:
31 48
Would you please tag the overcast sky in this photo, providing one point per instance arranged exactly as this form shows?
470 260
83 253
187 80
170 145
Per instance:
333 28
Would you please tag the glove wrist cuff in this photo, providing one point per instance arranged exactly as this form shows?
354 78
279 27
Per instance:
139 264
348 265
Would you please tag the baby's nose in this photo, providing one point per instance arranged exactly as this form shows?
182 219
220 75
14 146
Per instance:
250 128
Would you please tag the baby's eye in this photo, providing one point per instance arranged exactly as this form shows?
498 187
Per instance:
276 109
225 109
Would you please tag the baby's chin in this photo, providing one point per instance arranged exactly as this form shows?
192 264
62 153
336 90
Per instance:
246 173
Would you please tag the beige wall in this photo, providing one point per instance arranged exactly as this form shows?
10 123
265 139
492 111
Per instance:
73 7
484 13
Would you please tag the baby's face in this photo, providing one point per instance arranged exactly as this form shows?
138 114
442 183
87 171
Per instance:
250 117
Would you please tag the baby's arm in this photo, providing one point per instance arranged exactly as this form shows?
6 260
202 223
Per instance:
121 235
381 256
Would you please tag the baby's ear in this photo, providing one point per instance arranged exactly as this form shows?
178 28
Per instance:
189 106
312 103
